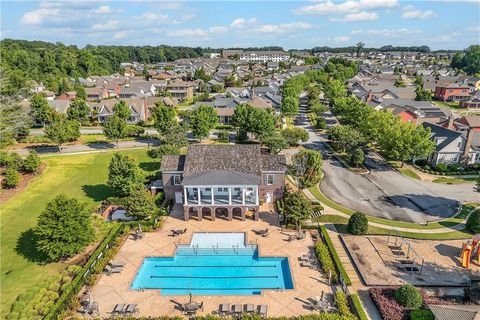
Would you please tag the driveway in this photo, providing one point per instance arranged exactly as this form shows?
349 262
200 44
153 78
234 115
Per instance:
384 192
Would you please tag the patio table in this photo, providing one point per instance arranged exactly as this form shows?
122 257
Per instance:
192 306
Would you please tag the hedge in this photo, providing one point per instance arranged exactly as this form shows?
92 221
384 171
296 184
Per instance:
63 302
357 307
335 256
326 261
342 304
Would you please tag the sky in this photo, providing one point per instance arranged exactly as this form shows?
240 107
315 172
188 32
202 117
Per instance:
440 24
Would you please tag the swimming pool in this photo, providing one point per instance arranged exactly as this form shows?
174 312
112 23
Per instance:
209 266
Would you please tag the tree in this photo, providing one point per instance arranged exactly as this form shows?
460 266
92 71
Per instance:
41 111
202 119
80 90
124 175
164 117
176 136
253 120
14 121
409 297
115 128
32 162
335 89
317 108
289 105
122 110
296 208
64 228
358 224
162 150
294 135
399 83
345 138
275 142
359 45
306 168
477 185
79 110
357 157
141 205
473 222
12 178
423 95
468 61
62 130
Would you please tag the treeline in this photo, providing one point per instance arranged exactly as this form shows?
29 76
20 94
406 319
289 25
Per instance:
381 49
468 61
51 63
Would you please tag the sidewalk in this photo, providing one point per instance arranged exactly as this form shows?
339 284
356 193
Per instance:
356 286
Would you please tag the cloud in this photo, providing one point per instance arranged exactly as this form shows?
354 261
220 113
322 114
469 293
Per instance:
218 29
360 16
409 12
154 17
106 26
385 33
103 10
37 17
120 35
341 39
242 23
198 32
350 6
283 27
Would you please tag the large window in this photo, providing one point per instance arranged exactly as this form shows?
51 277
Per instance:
270 179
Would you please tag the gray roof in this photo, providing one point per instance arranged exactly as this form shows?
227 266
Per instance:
457 312
172 163
60 106
441 132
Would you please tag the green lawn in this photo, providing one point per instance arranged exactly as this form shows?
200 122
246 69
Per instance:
454 180
79 176
451 105
404 170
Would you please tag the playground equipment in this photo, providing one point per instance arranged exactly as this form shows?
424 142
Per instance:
470 251
412 261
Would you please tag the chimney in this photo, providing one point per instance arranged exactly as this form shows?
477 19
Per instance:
369 96
450 122
468 144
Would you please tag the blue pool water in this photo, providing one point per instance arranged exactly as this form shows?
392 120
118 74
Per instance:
214 269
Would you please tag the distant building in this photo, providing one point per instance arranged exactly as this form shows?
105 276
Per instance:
212 55
229 53
70 95
181 90
264 56
452 92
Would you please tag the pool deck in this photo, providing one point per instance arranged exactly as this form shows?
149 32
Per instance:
308 283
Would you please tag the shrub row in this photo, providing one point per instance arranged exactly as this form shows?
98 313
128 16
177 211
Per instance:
342 304
357 307
384 299
68 295
326 261
441 170
335 256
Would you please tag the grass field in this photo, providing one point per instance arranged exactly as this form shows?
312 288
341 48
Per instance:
454 180
79 176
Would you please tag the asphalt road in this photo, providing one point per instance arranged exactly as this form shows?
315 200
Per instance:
384 192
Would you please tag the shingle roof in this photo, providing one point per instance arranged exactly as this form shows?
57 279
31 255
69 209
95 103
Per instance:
460 312
172 163
440 132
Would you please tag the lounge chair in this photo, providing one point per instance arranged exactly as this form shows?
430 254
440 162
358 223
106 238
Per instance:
111 270
116 264
131 308
249 308
237 309
304 258
119 309
224 309
262 310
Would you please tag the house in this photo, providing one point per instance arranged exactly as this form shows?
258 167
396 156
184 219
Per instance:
229 53
181 90
415 111
452 92
223 180
452 147
70 96
471 103
264 56
138 112
60 106
96 94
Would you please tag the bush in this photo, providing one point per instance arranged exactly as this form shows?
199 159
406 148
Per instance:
159 198
326 261
14 161
321 123
342 304
223 135
32 162
409 297
421 314
134 131
358 223
389 308
473 222
472 295
12 178
442 167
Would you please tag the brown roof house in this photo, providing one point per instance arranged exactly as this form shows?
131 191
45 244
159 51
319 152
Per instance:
223 181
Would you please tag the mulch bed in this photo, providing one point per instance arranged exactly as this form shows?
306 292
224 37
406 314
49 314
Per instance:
25 179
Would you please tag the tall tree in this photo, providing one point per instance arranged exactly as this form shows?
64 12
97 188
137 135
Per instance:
359 45
295 135
79 110
64 228
296 208
115 128
14 121
122 110
306 167
80 90
253 120
274 141
202 119
141 205
468 61
335 89
176 136
41 111
423 95
62 130
289 105
164 117
124 175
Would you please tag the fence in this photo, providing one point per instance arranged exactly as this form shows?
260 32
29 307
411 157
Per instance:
57 310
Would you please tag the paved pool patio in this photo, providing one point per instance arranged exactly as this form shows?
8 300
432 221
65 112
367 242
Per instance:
308 282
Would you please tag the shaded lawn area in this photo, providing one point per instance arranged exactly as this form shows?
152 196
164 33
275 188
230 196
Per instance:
80 176
454 180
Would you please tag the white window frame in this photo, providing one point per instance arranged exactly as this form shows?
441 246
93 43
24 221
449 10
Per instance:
175 177
268 178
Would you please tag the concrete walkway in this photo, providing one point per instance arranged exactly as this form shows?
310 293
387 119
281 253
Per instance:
357 285
332 211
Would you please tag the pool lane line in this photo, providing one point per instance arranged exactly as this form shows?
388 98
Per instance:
211 277
216 266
